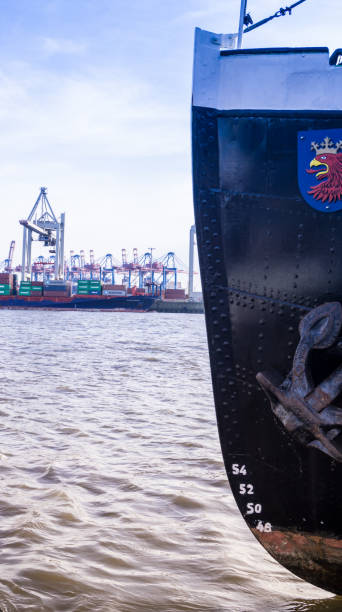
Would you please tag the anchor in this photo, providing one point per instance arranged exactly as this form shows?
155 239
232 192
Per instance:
306 411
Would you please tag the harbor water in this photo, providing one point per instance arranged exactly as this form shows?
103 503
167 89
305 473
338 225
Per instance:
113 494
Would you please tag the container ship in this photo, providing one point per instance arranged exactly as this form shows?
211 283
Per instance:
267 169
56 283
84 294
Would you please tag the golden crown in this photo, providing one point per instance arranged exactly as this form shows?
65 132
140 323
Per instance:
326 146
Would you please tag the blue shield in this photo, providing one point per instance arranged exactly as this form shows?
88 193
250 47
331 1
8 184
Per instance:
320 168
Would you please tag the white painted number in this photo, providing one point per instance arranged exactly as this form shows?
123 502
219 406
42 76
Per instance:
246 488
267 527
253 508
239 469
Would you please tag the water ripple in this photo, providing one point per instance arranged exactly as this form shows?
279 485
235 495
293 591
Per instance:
113 495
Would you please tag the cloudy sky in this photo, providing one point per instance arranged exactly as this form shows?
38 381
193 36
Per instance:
95 105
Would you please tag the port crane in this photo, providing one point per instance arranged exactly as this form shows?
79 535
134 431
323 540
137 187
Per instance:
143 272
108 268
43 222
6 265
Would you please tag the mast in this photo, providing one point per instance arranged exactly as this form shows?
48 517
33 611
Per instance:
243 8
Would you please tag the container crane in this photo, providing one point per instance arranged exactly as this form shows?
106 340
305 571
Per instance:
108 268
169 268
6 265
92 267
124 258
42 221
9 261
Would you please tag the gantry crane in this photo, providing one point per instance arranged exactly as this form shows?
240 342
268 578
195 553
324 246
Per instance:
108 268
6 264
42 221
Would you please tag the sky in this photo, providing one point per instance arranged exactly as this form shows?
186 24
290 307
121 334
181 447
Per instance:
95 105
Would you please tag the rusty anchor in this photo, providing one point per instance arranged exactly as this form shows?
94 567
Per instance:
306 411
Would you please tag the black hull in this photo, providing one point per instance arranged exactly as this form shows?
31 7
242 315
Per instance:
267 258
137 303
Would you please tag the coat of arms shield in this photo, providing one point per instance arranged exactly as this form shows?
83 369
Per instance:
320 168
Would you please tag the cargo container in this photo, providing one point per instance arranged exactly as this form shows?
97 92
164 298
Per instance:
113 292
6 279
175 294
59 293
118 287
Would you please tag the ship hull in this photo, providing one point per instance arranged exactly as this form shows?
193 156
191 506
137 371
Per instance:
129 303
267 259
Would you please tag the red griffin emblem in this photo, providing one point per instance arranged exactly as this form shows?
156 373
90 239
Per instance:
327 165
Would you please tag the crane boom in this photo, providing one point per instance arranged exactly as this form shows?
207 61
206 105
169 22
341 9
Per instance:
10 255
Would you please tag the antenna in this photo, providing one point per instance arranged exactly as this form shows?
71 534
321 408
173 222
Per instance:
280 13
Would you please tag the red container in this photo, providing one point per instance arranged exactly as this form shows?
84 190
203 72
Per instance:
175 294
49 294
114 287
6 278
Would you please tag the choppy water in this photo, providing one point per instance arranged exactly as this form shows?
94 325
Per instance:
113 495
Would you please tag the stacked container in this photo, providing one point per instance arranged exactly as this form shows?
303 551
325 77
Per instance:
6 283
36 288
25 288
89 287
56 288
95 287
175 294
113 290
82 287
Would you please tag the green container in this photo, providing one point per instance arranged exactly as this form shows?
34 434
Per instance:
25 283
6 287
4 292
22 292
36 288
